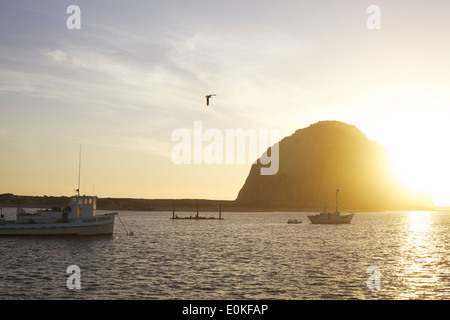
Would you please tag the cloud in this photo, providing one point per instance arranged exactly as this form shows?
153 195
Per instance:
251 73
210 54
91 61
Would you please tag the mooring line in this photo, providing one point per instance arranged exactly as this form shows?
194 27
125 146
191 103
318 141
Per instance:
128 233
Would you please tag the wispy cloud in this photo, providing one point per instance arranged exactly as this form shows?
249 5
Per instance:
251 72
91 61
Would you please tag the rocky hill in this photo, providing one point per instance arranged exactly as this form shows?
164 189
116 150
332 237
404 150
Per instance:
330 155
313 163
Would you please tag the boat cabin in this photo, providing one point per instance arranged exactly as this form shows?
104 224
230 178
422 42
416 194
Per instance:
78 207
82 207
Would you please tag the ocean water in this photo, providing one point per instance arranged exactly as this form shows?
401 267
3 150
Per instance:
248 255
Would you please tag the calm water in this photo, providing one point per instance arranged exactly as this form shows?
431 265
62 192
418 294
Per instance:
245 256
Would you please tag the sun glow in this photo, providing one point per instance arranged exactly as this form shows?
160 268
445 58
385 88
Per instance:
414 130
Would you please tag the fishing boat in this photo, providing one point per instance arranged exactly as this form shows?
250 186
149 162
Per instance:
77 218
331 218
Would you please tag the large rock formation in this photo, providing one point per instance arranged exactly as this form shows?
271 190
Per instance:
330 155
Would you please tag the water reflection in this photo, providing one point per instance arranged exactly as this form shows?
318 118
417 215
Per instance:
253 255
417 268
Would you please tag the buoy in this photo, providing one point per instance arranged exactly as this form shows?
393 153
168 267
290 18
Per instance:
131 233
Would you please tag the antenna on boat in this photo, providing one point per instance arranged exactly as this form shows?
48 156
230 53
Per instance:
337 199
79 172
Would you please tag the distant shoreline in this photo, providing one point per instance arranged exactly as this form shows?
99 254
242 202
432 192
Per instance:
180 205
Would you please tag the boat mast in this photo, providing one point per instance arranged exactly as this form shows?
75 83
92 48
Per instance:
79 173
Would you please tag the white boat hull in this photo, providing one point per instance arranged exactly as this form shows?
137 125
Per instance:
331 218
77 228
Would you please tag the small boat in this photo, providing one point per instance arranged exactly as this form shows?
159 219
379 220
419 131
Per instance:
331 218
77 218
293 221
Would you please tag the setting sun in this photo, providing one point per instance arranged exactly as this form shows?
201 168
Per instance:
415 133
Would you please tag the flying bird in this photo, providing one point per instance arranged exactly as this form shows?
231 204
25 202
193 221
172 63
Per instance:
208 97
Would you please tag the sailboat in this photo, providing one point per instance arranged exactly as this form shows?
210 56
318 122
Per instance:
331 218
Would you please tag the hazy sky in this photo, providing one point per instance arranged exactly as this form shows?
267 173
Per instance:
137 71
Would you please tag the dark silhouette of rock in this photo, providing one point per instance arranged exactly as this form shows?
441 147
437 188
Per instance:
330 155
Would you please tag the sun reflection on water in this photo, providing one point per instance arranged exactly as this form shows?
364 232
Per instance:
418 252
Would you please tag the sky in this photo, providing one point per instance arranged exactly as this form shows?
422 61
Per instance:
138 71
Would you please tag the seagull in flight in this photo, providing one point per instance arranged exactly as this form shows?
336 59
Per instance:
208 97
